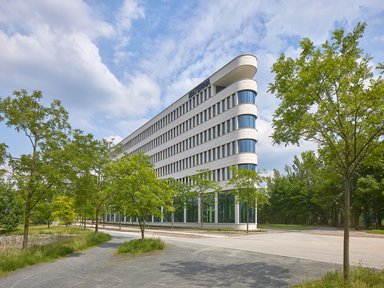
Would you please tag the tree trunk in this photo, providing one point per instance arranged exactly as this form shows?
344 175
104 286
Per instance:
347 191
142 228
26 222
173 219
97 220
379 220
26 230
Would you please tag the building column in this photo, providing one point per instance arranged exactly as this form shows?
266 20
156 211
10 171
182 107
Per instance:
162 215
216 208
199 217
237 211
256 212
185 214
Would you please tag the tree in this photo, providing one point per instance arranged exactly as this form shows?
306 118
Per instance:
3 155
202 186
137 190
88 178
369 195
181 193
46 129
64 210
10 208
247 188
305 194
329 95
42 213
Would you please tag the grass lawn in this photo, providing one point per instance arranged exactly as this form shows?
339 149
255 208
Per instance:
285 226
376 231
360 278
141 246
13 258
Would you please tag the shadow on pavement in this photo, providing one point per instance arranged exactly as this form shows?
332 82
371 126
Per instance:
116 241
245 275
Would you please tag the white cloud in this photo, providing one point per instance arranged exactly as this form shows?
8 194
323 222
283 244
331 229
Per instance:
129 126
215 32
56 48
115 139
129 11
276 156
53 48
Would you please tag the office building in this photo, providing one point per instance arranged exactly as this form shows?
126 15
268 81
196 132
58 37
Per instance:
213 126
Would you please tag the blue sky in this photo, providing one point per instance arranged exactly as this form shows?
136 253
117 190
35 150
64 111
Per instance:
115 64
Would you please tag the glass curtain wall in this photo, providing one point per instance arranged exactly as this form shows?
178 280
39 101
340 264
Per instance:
192 210
226 207
247 145
247 121
247 97
208 202
243 213
179 211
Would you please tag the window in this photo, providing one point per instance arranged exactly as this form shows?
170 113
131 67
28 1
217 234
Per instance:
247 121
247 96
248 166
247 145
192 210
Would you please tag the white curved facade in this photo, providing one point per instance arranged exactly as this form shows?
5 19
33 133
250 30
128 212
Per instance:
211 127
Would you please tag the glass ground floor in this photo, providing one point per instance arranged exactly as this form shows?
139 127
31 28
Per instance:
218 208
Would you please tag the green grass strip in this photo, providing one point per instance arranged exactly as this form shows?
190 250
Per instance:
359 278
140 246
285 226
376 231
13 258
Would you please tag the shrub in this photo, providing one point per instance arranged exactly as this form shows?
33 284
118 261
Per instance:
140 246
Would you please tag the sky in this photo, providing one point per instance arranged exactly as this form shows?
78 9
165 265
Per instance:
116 64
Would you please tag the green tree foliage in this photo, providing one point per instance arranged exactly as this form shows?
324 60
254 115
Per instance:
64 210
330 95
136 188
181 192
369 195
88 178
204 187
46 128
42 213
3 154
10 208
247 188
306 194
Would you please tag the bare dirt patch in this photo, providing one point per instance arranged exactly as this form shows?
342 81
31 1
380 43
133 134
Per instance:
16 241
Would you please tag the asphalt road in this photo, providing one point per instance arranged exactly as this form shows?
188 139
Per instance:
181 264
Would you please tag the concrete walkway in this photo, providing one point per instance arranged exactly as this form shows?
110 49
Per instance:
317 245
181 264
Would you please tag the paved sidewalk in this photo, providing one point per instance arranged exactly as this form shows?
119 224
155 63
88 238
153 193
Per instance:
179 265
311 245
